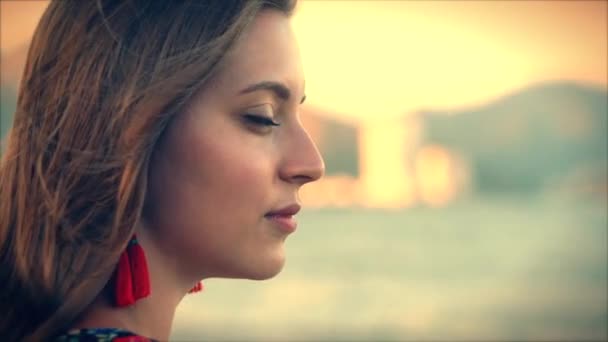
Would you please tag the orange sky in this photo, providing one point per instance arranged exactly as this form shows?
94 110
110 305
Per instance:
17 21
366 59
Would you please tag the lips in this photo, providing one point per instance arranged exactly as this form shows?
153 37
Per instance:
289 210
284 218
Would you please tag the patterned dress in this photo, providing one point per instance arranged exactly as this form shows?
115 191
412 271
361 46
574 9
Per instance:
101 335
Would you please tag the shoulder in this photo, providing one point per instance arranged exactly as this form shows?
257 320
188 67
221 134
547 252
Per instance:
100 335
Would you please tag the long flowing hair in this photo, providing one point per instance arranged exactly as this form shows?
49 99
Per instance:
102 80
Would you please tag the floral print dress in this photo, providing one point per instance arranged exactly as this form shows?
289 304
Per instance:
101 335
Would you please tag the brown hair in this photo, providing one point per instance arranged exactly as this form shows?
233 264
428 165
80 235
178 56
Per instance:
102 80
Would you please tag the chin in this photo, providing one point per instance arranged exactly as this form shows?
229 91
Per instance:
266 270
266 274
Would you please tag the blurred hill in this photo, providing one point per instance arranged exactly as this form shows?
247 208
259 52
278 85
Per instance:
546 135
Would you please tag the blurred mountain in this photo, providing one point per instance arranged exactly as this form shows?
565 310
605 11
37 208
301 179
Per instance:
540 136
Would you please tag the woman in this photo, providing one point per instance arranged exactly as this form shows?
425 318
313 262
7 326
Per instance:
155 144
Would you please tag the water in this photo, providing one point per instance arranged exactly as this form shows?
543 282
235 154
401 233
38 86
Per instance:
482 269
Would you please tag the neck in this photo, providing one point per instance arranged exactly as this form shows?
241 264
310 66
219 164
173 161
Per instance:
151 316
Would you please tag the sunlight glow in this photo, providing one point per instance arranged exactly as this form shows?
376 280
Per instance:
384 58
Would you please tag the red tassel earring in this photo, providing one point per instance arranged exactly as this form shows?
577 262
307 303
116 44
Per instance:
132 278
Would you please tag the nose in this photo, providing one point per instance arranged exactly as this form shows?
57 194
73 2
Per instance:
301 163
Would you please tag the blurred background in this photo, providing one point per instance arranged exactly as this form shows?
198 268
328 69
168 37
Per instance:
466 189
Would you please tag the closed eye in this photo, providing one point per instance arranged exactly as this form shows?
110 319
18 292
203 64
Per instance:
260 120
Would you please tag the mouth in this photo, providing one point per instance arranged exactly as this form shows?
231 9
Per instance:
284 218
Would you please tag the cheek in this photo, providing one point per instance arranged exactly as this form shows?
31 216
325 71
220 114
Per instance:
226 172
231 179
213 184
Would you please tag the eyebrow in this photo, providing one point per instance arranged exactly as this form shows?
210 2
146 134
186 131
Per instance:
280 89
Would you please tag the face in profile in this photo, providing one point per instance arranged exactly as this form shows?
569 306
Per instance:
223 183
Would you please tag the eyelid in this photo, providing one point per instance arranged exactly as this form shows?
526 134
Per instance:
260 119
263 110
267 109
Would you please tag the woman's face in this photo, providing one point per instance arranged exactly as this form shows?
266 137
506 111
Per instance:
225 177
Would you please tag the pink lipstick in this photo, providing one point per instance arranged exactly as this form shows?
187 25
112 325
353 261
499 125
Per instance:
284 218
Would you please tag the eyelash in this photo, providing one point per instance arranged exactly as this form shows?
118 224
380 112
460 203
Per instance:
260 120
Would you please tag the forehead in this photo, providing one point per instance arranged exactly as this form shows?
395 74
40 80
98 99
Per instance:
267 51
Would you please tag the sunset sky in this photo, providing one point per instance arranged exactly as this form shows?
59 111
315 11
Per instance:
371 59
